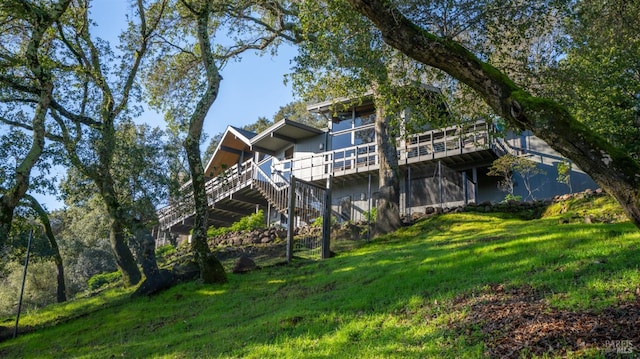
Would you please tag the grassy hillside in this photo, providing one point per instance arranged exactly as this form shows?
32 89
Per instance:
457 285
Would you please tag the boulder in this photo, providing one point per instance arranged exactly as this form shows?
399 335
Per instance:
163 279
186 271
244 264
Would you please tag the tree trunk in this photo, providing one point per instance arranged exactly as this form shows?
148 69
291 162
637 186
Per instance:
125 261
61 292
155 280
211 270
615 171
10 199
388 208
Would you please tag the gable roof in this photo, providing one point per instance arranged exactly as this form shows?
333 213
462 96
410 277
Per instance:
234 147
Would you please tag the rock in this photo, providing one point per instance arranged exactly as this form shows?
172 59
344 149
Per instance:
164 279
213 270
265 239
244 264
186 271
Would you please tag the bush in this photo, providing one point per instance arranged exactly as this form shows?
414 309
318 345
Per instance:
371 216
510 197
318 221
247 223
165 251
100 280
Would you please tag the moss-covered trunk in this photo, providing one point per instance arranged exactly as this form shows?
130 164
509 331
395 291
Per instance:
388 207
615 171
211 270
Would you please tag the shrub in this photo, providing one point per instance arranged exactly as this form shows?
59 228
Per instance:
318 221
511 197
247 223
371 216
100 280
40 286
163 252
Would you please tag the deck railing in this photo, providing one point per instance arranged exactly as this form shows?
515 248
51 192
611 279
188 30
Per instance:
230 181
276 192
429 145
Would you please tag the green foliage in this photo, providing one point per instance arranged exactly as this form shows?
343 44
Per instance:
248 223
506 166
165 251
510 197
103 279
39 291
371 216
319 220
297 111
598 78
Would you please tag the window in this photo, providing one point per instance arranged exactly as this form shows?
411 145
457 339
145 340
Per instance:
341 141
288 153
342 122
364 136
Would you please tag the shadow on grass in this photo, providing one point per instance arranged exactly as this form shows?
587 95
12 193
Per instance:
392 297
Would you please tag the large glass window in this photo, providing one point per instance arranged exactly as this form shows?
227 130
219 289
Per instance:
366 135
354 132
341 141
342 121
366 118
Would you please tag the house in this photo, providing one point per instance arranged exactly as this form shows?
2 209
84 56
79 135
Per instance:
438 167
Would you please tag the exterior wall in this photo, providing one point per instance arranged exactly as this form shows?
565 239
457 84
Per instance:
310 146
545 185
350 199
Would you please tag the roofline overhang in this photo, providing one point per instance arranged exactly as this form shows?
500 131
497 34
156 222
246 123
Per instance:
221 147
271 131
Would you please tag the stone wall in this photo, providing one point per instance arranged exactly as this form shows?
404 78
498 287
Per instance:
260 236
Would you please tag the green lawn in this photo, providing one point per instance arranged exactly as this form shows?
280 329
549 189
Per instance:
397 296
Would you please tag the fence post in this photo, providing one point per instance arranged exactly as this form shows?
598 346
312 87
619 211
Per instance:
326 222
370 216
24 279
292 211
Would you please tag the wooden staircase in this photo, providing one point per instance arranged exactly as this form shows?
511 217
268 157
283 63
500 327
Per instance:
277 193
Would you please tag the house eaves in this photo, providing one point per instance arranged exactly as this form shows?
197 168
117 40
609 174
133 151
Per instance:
281 134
